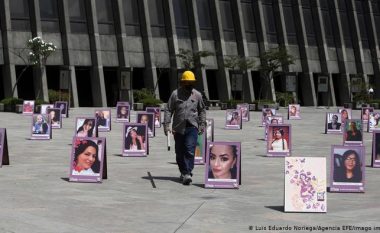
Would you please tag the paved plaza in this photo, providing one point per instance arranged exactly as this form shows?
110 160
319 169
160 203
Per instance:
37 197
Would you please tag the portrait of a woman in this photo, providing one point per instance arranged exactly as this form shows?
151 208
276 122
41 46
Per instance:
279 142
86 160
222 162
134 141
87 128
349 169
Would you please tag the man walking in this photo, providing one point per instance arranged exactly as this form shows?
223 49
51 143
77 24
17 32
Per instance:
189 119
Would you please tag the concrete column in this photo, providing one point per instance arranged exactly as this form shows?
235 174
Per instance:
97 75
66 46
248 92
9 70
121 36
196 42
224 84
306 80
374 47
39 72
150 72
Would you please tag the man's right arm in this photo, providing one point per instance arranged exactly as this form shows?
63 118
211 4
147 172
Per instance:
168 112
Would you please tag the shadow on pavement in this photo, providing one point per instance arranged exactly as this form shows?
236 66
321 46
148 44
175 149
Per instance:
278 208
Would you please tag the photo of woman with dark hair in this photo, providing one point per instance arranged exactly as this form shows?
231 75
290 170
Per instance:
349 168
133 140
279 143
222 162
86 161
353 133
87 128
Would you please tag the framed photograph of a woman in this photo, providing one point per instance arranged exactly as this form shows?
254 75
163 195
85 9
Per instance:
353 132
87 158
267 112
147 118
85 127
55 117
64 106
157 115
375 161
279 140
122 112
373 121
233 119
41 128
28 107
294 112
244 108
345 113
223 165
103 120
44 108
135 139
347 168
272 120
210 130
305 184
333 123
365 113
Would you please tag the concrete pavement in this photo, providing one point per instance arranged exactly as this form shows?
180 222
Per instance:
36 196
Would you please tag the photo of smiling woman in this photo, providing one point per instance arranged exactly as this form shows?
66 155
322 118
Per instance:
222 162
85 161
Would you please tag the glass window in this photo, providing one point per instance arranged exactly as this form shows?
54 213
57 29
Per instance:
327 23
376 14
309 23
362 24
131 16
289 22
227 20
20 17
77 13
49 16
204 18
249 21
157 20
105 17
270 22
181 18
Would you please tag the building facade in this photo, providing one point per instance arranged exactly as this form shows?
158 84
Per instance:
104 43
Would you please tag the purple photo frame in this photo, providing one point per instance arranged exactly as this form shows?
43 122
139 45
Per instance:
342 158
375 161
157 115
40 128
244 108
279 143
345 113
266 112
93 174
44 108
148 118
373 121
200 149
272 120
233 119
209 130
123 112
141 131
294 112
28 107
333 123
216 177
365 113
55 118
103 119
64 106
81 127
353 132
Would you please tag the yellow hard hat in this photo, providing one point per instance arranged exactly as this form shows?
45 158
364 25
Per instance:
188 76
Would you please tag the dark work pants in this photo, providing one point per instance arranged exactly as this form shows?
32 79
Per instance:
185 149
